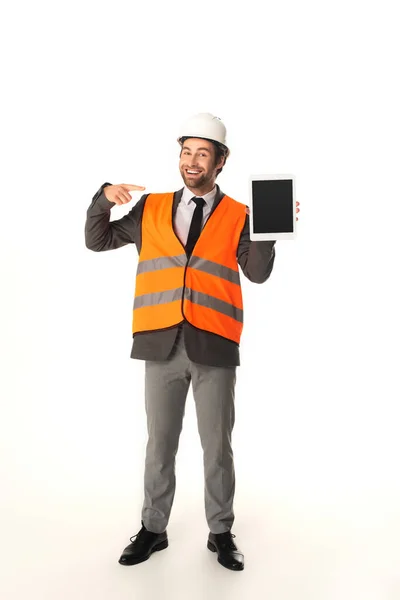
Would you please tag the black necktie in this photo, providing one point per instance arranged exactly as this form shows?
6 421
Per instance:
195 225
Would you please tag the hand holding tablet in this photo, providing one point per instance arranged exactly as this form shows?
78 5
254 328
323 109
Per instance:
272 207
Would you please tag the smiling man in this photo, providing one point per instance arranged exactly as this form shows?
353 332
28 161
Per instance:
187 324
199 159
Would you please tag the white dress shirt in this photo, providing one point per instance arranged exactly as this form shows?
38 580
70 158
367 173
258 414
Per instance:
185 210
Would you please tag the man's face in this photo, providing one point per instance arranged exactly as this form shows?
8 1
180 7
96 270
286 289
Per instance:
197 163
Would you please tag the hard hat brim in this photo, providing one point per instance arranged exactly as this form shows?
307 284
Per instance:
182 138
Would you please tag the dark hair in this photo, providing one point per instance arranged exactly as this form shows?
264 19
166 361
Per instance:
221 151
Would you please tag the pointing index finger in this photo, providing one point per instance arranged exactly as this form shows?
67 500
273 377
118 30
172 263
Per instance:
130 186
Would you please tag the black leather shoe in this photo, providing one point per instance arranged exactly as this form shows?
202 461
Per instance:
146 542
229 555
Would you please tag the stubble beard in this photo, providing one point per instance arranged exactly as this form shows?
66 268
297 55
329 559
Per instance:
196 182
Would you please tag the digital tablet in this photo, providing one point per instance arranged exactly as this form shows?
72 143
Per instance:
272 207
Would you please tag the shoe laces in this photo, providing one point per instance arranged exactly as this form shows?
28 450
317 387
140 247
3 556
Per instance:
140 535
227 540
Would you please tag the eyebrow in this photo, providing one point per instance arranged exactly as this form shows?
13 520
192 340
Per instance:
187 148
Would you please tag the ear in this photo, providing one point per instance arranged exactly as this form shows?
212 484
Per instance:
221 162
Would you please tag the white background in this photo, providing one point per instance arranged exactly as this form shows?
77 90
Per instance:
96 92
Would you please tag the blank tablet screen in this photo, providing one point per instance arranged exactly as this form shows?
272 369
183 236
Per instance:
273 206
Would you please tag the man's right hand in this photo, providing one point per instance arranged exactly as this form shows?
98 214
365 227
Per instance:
120 193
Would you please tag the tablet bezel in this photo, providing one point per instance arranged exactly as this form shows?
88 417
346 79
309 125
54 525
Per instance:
271 236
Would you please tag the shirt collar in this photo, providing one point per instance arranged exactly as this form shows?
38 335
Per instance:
209 198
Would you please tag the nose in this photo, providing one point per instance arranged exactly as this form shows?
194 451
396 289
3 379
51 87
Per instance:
193 161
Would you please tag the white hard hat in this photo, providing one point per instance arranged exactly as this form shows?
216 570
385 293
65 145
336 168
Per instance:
206 126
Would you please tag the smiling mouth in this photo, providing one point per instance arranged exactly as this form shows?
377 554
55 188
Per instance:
192 172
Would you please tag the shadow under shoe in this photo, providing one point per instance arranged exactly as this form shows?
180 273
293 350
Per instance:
145 544
229 555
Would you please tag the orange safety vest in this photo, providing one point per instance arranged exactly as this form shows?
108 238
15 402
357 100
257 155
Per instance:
203 289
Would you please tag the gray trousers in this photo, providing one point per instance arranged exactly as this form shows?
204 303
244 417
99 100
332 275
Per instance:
166 387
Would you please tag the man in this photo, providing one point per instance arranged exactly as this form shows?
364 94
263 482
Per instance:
187 323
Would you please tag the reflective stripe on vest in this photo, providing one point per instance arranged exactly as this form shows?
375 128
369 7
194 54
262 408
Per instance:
204 289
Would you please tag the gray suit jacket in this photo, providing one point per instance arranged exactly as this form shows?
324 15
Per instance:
256 260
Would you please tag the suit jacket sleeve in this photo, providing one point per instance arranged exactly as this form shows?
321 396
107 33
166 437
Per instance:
256 259
101 233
